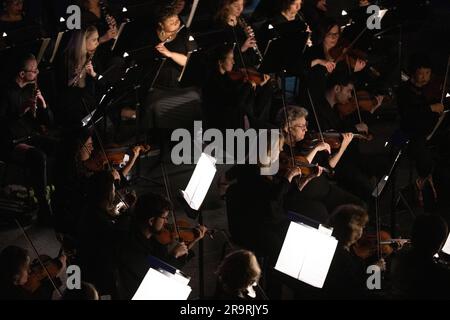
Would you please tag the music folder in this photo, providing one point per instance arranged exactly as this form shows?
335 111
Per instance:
307 253
200 181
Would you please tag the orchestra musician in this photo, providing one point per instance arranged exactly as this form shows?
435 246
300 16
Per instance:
93 14
25 118
319 197
419 114
13 16
151 214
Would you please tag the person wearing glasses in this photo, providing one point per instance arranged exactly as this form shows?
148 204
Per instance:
25 117
151 214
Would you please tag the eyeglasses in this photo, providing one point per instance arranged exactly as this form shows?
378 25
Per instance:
301 126
333 35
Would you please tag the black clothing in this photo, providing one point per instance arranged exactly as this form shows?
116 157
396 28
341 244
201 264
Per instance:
225 102
133 260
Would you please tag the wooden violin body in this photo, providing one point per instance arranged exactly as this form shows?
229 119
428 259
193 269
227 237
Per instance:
367 246
247 75
38 275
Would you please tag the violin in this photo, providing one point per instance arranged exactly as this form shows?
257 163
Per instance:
186 233
364 99
116 157
247 75
367 246
301 162
334 139
38 275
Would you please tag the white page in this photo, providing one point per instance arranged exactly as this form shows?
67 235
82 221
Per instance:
306 254
157 286
200 181
446 247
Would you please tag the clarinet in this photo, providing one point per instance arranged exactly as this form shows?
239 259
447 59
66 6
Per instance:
249 33
106 14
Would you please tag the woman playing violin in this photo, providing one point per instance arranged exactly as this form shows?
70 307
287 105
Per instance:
151 216
318 196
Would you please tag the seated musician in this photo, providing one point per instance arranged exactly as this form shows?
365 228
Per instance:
289 11
86 292
98 230
227 101
93 15
150 216
169 105
238 274
317 198
355 171
25 118
14 276
13 16
347 276
419 114
414 273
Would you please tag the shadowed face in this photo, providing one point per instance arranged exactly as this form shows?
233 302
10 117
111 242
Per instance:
236 8
422 77
298 129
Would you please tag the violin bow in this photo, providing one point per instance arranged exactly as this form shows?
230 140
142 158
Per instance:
351 43
316 118
354 92
444 88
169 196
38 257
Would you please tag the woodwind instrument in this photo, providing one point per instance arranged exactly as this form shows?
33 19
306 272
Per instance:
79 72
249 32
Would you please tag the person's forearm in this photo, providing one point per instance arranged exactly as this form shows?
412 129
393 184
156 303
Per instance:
179 58
126 170
335 159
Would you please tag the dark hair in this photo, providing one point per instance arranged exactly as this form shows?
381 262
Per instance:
338 78
99 188
325 27
428 233
151 205
12 259
343 218
23 61
165 13
222 12
285 4
86 292
221 52
418 61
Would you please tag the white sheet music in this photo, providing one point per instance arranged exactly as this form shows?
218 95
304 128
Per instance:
306 254
57 43
446 247
160 286
438 124
119 33
200 181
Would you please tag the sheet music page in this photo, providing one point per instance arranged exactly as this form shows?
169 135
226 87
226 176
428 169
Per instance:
446 247
306 254
438 124
294 250
157 286
318 260
200 181
119 32
57 43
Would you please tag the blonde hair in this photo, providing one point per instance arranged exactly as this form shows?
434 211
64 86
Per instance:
224 11
77 54
239 270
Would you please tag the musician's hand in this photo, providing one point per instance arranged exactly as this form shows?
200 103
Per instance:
266 79
346 139
359 65
323 146
381 264
40 99
292 173
180 250
437 107
163 50
63 260
136 151
115 174
319 171
329 65
200 232
90 70
249 43
362 127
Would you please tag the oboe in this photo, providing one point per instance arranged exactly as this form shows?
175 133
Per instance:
249 33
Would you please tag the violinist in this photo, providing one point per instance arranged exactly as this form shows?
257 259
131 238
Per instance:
15 274
347 276
318 197
414 273
419 114
228 103
24 114
151 214
98 230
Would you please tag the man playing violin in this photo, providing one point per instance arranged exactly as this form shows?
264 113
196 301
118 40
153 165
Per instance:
151 215
418 115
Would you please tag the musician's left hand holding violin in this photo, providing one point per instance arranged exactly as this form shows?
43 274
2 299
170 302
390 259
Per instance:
200 232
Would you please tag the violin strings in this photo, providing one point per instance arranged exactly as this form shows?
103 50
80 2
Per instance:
354 91
38 257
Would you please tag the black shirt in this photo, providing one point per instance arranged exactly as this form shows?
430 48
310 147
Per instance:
416 116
